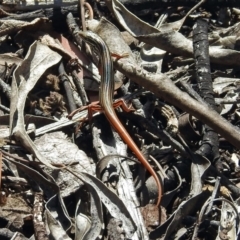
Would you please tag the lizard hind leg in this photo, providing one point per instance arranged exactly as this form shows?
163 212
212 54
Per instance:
121 103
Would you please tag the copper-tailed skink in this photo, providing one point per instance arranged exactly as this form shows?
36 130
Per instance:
106 99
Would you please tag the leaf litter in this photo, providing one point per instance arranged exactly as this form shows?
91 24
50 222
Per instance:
65 171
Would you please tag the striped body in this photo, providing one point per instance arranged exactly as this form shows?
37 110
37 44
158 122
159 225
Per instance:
106 100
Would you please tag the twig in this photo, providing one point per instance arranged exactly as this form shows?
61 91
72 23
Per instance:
80 88
5 88
210 142
39 226
82 15
65 81
5 109
187 88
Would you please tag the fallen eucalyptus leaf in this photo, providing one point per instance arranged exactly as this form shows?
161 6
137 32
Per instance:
149 54
225 37
18 236
57 217
62 123
131 22
220 83
82 224
170 40
168 196
230 96
181 233
8 27
152 55
97 226
199 167
55 228
9 58
38 59
226 42
115 206
228 223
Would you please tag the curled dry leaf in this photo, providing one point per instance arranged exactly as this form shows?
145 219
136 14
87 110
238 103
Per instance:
8 27
83 224
95 228
9 58
199 167
26 76
220 83
115 206
169 40
59 227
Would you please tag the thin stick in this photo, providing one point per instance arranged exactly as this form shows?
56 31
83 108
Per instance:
81 2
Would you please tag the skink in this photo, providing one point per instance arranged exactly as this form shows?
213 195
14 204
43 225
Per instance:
106 99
